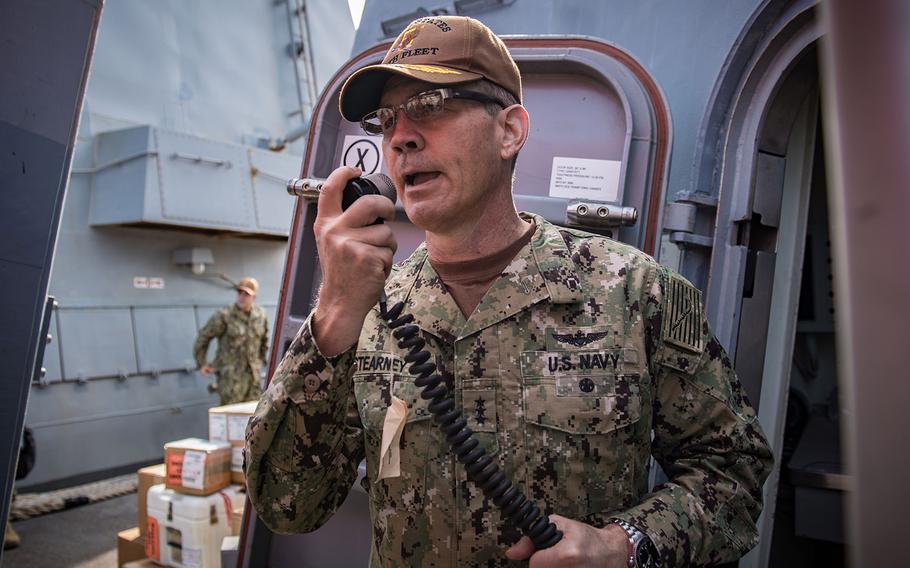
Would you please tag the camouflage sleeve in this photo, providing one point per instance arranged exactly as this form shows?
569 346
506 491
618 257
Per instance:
213 328
706 437
304 442
264 343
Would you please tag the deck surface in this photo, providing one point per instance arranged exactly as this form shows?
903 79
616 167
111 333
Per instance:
82 537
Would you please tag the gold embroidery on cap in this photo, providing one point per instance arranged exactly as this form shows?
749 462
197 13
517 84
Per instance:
428 68
406 39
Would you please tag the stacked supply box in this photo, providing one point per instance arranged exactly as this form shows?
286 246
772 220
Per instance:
148 476
130 546
186 530
228 423
197 467
131 542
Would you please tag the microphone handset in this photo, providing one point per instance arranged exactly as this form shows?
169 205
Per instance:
372 184
481 468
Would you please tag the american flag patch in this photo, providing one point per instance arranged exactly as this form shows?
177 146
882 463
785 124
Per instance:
682 315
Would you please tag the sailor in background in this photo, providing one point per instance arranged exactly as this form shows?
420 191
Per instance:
242 333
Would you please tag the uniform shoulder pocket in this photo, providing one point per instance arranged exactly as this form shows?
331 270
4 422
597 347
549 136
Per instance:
684 330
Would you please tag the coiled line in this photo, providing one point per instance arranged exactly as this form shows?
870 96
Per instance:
480 467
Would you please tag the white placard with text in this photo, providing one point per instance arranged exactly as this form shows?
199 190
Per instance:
218 427
193 472
237 427
237 458
583 178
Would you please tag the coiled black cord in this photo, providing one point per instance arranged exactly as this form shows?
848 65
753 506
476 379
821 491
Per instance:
480 467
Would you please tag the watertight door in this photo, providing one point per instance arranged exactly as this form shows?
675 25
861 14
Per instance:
597 153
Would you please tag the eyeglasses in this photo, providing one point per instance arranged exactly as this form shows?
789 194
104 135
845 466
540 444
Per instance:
419 107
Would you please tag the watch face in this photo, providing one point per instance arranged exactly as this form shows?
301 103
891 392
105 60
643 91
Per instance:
646 555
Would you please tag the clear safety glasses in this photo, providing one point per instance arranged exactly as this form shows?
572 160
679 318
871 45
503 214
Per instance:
421 106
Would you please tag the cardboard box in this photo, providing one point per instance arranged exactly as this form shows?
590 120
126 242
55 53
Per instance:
130 546
196 466
148 476
228 423
237 520
237 475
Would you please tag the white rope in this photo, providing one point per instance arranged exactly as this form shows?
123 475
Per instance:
29 505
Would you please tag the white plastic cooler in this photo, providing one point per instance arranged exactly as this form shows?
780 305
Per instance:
186 530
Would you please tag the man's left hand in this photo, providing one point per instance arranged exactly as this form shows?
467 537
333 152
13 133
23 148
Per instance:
581 545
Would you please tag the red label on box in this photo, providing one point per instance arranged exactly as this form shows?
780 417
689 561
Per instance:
175 468
152 549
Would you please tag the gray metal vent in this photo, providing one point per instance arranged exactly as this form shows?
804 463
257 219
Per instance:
154 177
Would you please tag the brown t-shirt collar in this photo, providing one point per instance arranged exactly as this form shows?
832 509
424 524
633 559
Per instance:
469 280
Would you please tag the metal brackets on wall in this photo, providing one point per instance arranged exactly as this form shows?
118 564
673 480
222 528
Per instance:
681 215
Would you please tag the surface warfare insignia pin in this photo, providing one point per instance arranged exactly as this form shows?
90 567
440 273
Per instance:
579 338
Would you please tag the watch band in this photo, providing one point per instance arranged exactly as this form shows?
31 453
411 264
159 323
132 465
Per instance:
644 554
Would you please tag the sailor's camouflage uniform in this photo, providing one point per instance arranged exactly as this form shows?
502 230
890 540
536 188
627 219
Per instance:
576 354
243 342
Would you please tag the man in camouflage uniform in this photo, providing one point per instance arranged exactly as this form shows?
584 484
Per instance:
242 332
578 360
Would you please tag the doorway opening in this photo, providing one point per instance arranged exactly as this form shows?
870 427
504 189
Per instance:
809 506
786 344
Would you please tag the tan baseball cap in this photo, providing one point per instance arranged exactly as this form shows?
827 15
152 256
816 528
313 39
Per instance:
249 285
443 50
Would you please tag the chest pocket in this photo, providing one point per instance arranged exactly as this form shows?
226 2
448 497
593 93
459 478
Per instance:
580 406
236 328
238 334
582 391
374 392
378 376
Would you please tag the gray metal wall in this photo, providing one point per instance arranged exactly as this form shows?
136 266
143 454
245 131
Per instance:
118 386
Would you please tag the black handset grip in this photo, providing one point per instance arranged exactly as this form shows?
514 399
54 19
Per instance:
372 184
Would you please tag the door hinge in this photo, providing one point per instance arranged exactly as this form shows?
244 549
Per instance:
680 216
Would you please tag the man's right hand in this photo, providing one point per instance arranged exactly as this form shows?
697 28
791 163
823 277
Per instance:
355 257
206 370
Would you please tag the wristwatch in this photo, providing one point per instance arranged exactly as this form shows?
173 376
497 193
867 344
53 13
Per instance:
644 553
